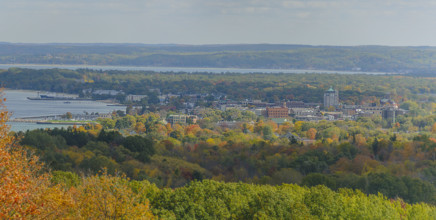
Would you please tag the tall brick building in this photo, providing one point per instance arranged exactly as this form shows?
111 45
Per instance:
277 112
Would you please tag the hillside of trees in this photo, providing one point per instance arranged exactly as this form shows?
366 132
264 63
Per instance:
409 60
357 155
29 191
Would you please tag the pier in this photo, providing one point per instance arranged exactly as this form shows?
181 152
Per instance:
76 119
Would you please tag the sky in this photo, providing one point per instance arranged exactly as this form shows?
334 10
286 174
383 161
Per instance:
313 22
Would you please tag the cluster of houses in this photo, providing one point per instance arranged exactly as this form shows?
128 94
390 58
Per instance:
330 109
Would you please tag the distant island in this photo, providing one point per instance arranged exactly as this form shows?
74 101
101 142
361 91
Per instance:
405 60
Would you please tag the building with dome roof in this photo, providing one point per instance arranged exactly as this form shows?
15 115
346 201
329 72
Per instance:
331 98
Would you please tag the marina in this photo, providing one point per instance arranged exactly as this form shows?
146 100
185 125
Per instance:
57 97
25 113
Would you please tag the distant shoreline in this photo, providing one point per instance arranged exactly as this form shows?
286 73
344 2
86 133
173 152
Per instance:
186 69
19 120
20 107
109 102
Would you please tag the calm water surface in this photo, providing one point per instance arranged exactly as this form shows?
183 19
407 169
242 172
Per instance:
18 104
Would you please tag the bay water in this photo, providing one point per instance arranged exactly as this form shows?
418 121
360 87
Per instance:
19 106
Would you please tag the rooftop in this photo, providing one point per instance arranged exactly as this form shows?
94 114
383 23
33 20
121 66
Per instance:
331 89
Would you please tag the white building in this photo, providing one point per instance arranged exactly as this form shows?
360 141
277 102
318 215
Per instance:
135 98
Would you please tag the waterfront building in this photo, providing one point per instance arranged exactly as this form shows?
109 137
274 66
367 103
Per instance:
135 98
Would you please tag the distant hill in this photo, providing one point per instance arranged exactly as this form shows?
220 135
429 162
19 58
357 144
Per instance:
409 60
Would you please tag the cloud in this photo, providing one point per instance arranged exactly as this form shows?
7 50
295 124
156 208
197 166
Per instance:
213 7
220 21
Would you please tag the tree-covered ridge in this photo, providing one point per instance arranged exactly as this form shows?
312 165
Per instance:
354 89
415 60
346 154
218 200
28 191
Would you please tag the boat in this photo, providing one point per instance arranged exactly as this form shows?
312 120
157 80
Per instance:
48 97
56 98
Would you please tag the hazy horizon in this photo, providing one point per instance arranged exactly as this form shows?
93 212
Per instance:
208 44
195 22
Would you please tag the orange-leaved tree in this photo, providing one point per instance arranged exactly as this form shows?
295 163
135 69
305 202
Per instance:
25 191
311 133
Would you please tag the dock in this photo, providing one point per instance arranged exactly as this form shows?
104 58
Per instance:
77 119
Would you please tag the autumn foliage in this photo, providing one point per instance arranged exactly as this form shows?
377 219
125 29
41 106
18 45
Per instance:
27 192
109 197
21 188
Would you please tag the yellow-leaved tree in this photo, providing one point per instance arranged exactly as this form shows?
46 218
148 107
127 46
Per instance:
28 192
25 191
109 197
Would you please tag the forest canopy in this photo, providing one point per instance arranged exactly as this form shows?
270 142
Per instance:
409 60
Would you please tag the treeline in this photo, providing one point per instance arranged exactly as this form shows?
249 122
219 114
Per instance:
412 189
74 150
353 89
27 191
217 200
346 154
414 60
